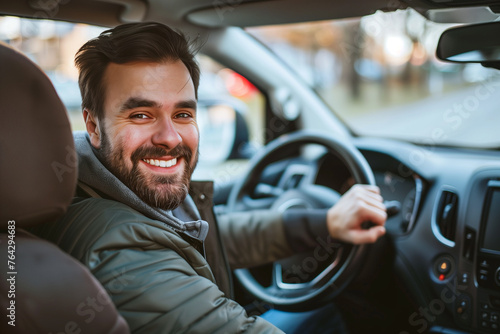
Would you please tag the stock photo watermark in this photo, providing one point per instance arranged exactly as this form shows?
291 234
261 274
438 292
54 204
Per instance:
47 9
222 7
69 165
11 272
88 309
421 319
454 117
303 271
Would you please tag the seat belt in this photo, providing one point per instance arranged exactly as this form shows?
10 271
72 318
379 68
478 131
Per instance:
89 191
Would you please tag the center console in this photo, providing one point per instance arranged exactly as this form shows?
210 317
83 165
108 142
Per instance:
467 275
487 269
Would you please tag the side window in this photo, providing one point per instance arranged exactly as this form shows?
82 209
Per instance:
231 118
52 45
231 113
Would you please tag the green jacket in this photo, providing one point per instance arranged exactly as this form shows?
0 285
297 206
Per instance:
164 281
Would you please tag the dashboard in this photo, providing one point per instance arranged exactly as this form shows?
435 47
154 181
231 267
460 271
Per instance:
396 181
447 235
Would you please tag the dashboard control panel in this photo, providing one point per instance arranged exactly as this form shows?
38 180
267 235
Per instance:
487 269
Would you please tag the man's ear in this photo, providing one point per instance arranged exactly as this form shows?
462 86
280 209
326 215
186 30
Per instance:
93 128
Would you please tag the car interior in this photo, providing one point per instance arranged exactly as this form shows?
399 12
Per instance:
437 270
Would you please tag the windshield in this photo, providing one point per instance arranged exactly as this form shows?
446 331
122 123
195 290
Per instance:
379 74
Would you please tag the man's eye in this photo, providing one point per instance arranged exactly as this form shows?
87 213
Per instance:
183 115
139 116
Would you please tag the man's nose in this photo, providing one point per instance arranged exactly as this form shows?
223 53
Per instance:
166 134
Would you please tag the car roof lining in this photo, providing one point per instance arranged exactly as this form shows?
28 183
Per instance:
98 13
218 13
259 13
191 14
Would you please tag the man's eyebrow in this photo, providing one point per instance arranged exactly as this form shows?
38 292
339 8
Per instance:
135 102
188 104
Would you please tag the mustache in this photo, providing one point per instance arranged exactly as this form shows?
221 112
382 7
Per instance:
154 152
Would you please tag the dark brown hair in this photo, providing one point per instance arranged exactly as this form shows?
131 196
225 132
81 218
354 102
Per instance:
145 41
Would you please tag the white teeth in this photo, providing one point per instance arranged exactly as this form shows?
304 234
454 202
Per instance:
161 163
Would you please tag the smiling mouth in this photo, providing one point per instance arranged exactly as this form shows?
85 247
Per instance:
161 163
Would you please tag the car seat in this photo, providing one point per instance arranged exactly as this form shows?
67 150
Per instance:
42 289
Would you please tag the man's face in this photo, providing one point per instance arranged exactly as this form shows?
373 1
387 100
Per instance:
149 136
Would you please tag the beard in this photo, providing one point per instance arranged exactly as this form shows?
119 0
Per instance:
165 192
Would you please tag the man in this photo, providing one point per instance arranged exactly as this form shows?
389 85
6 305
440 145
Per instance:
157 250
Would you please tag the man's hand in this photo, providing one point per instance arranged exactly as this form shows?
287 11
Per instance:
362 203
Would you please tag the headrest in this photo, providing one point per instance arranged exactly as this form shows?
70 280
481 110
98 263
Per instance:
37 157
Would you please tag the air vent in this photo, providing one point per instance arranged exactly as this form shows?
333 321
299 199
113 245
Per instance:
446 214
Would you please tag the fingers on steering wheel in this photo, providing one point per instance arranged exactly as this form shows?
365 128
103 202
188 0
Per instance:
375 209
366 236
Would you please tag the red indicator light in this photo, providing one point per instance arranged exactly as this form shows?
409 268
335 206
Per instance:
441 277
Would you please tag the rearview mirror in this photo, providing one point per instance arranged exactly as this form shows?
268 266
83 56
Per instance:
477 43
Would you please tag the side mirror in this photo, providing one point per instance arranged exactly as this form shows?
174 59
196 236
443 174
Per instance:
223 129
476 43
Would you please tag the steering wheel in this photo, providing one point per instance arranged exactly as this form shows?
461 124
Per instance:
286 289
